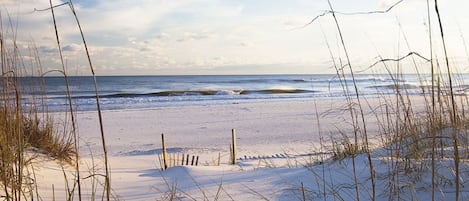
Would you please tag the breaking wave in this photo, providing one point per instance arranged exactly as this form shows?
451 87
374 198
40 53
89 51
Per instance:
203 93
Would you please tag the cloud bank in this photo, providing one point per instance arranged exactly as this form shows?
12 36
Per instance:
223 37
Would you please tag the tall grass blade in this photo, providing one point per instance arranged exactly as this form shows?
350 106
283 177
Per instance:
349 63
98 105
69 98
454 119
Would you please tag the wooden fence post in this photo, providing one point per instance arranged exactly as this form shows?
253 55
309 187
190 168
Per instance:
233 137
303 191
164 152
231 154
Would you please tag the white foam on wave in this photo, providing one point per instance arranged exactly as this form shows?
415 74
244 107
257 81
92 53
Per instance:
228 92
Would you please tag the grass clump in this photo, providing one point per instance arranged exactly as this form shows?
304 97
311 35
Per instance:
43 138
36 135
21 137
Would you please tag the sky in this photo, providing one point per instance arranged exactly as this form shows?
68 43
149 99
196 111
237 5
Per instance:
161 37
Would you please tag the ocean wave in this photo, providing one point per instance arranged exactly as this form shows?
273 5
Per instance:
335 79
306 79
202 93
278 91
394 86
256 81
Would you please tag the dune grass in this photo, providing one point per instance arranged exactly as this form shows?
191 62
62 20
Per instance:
26 129
412 140
24 132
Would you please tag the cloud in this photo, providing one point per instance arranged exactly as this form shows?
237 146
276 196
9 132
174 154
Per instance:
71 47
245 44
128 17
16 2
47 50
292 22
206 34
8 2
146 49
162 36
190 36
385 4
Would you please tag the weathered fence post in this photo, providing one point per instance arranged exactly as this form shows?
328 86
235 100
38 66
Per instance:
53 192
165 162
233 137
303 191
231 154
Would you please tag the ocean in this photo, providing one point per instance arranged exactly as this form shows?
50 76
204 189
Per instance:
132 92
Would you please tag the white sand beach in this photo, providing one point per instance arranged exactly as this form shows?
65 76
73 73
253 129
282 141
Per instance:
276 144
